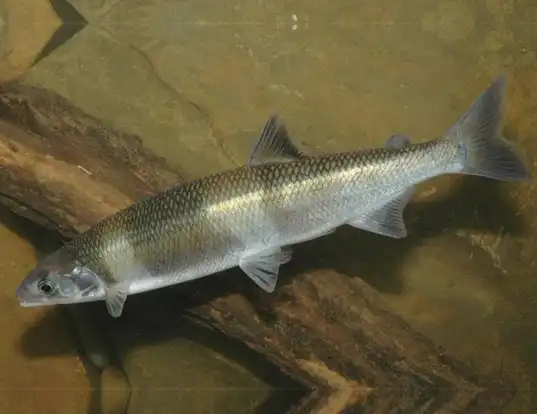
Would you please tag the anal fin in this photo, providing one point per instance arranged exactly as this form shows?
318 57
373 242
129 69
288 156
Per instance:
386 220
263 267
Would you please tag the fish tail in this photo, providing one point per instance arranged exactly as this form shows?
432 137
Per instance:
481 148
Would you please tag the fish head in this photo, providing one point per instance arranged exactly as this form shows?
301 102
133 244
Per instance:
60 279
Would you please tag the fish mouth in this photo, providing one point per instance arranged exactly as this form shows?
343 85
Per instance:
27 299
33 304
29 303
23 294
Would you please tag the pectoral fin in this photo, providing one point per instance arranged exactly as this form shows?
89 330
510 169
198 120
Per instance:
124 271
388 219
263 267
274 145
116 295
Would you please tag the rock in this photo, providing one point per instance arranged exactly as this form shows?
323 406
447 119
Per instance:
179 371
25 28
456 294
210 75
115 391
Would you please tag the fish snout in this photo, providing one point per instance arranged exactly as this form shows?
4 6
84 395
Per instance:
24 294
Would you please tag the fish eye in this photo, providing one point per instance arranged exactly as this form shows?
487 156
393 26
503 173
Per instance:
45 286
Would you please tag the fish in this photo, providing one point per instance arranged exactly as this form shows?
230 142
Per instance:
251 216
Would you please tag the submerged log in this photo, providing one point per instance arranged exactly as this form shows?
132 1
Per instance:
66 170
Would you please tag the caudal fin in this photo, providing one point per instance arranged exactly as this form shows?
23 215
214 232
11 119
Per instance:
478 136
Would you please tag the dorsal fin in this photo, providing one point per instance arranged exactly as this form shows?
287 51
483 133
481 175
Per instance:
274 145
397 141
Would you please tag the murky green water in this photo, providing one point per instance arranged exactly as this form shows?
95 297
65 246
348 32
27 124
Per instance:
196 81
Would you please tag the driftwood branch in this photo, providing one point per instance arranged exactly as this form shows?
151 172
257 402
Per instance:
66 170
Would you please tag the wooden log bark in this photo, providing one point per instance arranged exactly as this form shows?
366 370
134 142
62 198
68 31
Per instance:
66 170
